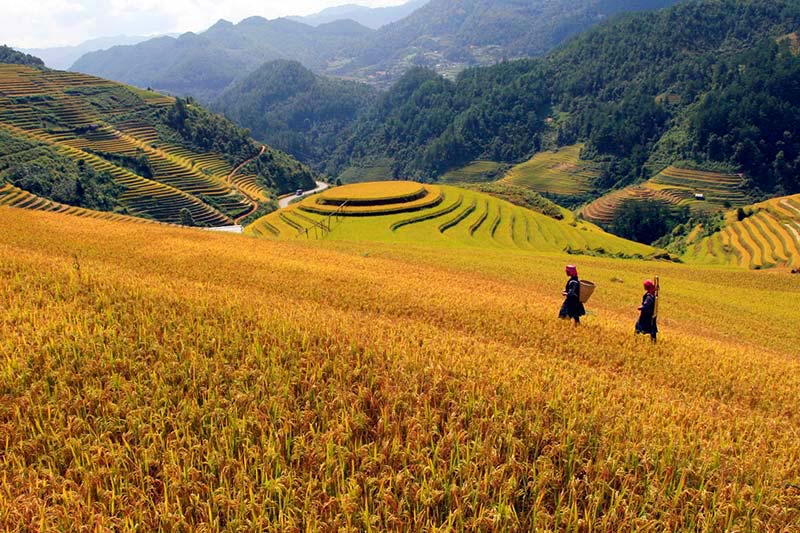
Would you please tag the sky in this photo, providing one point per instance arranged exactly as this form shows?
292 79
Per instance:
48 23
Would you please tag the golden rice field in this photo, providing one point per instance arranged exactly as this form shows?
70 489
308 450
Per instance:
11 196
445 215
161 378
770 237
373 198
560 171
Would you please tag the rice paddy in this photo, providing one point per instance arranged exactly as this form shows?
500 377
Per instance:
162 378
52 107
446 215
702 191
767 237
559 172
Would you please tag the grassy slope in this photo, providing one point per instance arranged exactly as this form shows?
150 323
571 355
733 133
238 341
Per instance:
370 385
557 172
530 230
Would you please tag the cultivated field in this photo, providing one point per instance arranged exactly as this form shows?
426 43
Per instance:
446 215
475 172
160 378
556 172
768 237
675 186
85 118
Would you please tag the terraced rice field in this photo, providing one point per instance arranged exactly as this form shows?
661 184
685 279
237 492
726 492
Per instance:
285 385
11 196
48 106
460 218
373 198
555 172
674 186
475 172
770 237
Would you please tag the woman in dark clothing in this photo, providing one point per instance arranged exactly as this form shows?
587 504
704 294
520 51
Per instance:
647 321
572 307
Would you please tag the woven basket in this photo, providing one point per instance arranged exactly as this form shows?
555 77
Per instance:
586 291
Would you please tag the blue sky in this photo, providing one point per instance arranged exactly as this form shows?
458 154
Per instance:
47 23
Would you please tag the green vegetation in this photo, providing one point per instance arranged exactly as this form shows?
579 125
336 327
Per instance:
280 172
752 118
520 196
559 174
40 170
475 172
448 36
646 220
620 88
441 35
10 56
202 131
286 106
461 218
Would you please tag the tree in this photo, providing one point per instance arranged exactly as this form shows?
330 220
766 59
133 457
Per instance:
186 217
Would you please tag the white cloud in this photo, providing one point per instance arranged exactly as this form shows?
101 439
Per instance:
45 23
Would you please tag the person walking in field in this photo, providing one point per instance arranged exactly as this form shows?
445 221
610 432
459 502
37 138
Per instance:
572 307
647 318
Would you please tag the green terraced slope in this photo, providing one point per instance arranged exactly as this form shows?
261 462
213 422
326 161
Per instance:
560 172
461 218
52 120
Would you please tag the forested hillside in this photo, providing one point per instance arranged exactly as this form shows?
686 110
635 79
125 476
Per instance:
703 81
287 106
11 56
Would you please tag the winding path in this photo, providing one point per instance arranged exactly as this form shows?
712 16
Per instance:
286 200
253 201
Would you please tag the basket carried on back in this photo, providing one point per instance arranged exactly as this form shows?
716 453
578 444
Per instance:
586 291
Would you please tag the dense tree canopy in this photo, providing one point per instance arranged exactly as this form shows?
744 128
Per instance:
9 55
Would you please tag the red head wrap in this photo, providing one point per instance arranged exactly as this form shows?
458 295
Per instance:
649 286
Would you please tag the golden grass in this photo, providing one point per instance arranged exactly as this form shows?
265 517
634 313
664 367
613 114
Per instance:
148 384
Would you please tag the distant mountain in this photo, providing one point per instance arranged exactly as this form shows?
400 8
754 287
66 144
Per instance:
11 56
366 16
444 35
203 65
450 35
289 107
62 57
